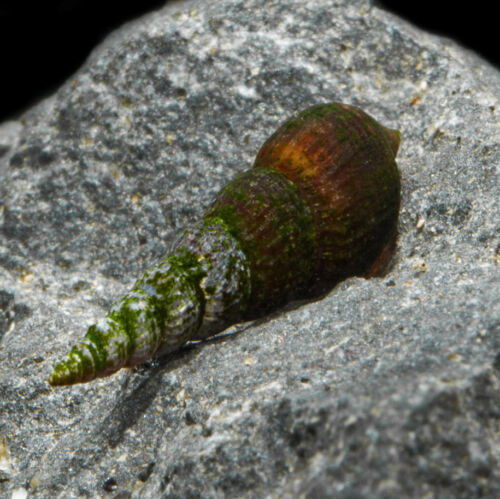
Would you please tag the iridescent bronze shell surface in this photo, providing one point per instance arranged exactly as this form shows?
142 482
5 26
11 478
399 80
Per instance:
320 204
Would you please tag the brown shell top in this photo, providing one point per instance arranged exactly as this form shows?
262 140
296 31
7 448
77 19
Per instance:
343 163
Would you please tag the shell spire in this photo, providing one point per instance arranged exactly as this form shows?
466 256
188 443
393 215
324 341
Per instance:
320 204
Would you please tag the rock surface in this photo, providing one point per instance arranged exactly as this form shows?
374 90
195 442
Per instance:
386 387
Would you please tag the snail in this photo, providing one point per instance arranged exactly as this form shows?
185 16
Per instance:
320 204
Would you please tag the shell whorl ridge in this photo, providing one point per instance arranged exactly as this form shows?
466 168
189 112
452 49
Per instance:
320 204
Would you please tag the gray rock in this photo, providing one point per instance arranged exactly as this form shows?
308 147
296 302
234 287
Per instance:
386 387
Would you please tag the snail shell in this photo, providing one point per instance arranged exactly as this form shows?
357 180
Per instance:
320 204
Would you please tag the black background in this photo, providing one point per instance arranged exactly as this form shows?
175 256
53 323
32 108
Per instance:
43 43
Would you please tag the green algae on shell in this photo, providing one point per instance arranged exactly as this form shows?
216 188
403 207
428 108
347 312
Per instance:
320 204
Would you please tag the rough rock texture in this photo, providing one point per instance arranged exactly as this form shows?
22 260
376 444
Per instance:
384 388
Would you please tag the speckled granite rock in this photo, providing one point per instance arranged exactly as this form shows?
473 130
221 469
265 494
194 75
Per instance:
384 388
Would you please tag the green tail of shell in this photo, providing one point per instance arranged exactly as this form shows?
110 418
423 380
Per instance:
192 294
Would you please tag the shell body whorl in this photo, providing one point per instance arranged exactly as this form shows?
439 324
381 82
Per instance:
320 204
342 161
